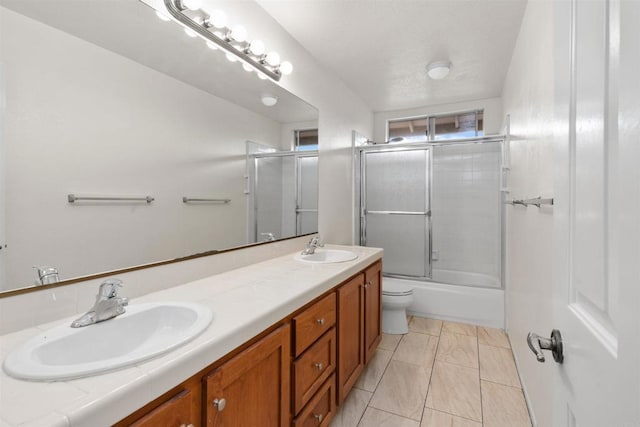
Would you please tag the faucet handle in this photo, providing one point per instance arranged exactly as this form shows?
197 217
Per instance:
109 288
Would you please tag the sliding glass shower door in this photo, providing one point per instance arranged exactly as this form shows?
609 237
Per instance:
307 195
285 195
435 209
395 209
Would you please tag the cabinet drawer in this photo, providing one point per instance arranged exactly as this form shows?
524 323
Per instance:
174 413
309 325
321 408
312 368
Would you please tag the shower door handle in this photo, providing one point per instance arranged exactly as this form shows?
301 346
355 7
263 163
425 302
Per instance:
426 213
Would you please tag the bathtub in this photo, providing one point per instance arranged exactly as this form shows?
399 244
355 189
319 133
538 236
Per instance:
467 304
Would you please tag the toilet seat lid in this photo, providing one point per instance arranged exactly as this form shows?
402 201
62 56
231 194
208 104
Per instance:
395 288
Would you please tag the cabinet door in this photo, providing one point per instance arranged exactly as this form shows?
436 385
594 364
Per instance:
350 334
372 309
176 412
252 389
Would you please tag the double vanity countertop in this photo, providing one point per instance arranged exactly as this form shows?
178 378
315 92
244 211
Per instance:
244 303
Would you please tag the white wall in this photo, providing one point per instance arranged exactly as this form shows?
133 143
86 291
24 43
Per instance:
493 116
135 131
528 98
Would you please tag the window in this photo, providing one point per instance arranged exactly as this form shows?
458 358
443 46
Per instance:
306 140
438 127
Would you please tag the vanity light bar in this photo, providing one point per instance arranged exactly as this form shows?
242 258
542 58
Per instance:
267 64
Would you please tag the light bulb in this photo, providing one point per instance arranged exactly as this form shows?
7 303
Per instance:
286 68
212 46
248 68
231 57
262 76
257 47
162 16
238 33
217 18
192 4
273 58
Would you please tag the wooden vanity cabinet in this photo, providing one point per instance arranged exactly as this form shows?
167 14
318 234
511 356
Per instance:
350 334
372 309
359 325
294 373
314 337
179 407
252 389
175 412
321 409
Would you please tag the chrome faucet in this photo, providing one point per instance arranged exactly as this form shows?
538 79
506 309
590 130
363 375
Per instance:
108 305
311 247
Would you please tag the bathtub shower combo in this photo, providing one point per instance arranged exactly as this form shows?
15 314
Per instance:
436 209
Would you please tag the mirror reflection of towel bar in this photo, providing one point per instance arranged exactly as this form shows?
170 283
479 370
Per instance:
535 201
205 200
72 198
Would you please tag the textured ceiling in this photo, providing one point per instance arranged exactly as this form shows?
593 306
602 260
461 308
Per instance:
380 48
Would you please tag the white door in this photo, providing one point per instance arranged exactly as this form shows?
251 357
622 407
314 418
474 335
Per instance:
597 213
3 231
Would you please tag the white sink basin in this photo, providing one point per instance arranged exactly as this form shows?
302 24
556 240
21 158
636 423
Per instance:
144 331
327 256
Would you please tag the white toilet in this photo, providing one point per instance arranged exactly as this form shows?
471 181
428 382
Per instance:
396 297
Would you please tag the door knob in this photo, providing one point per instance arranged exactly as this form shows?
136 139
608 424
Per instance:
537 344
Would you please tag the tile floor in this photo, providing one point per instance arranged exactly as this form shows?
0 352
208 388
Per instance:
440 374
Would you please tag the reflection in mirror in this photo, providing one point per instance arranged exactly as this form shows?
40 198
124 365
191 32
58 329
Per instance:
284 186
128 106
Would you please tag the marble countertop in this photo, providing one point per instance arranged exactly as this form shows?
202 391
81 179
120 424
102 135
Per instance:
244 302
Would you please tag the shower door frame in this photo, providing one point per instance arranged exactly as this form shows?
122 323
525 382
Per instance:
360 185
297 155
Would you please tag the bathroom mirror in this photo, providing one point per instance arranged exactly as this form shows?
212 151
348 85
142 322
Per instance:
101 99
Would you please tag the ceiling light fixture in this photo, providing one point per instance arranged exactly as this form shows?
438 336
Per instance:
438 70
269 100
211 25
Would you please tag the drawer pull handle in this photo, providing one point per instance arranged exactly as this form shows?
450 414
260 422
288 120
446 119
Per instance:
187 425
318 417
319 366
320 321
220 404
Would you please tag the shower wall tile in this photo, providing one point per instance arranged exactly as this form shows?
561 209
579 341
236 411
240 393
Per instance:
466 212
